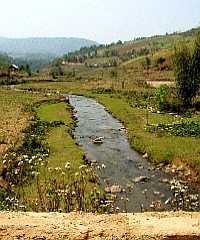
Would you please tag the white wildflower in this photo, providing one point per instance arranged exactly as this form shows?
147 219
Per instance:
67 165
103 166
30 161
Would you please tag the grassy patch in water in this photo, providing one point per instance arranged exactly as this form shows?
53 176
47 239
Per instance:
63 147
63 182
47 172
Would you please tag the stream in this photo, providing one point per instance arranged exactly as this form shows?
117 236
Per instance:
120 164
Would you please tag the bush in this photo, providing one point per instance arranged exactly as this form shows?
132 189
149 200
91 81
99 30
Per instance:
187 71
161 95
182 129
160 60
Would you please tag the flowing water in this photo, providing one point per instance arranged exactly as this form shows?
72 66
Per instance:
120 164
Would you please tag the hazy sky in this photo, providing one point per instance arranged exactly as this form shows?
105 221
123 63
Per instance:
100 20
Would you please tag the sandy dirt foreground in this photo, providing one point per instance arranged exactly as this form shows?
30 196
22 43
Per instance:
76 226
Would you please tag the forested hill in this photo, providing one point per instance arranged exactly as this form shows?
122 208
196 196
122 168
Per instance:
42 46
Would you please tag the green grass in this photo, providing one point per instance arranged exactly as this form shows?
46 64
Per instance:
73 187
62 147
130 78
101 60
55 112
14 116
161 148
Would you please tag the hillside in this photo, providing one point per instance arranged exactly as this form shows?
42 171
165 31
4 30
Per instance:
39 51
51 46
143 60
5 60
124 51
122 87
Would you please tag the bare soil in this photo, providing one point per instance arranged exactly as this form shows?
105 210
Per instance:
158 83
77 226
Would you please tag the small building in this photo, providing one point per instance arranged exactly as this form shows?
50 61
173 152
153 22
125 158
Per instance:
13 67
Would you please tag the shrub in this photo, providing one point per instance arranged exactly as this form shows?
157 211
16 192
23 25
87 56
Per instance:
160 60
161 95
182 129
187 72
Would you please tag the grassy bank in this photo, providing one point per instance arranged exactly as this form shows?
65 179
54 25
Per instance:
160 147
62 161
47 172
62 146
129 107
14 116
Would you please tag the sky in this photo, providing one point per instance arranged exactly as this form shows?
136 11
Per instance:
104 21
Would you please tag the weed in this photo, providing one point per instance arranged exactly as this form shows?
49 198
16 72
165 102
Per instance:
183 129
68 188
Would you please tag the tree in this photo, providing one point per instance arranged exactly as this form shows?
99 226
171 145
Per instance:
160 60
196 65
161 95
119 42
28 70
187 72
147 62
113 73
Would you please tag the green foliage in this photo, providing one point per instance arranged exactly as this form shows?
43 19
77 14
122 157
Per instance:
36 179
3 196
187 72
2 139
35 135
57 71
161 95
147 62
113 73
17 170
5 59
74 192
28 70
183 129
183 199
196 65
160 60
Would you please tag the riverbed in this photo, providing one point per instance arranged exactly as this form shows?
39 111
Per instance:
140 186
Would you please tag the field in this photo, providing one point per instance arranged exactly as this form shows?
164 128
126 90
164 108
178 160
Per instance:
59 139
130 108
160 147
42 166
14 115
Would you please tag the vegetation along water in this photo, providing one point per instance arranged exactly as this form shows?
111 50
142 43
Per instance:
103 129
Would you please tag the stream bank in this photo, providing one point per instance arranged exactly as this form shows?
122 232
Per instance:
139 186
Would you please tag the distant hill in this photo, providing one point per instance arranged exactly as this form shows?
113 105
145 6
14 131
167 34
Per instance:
5 60
141 59
39 51
113 54
22 47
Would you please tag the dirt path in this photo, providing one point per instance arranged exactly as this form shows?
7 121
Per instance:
157 83
75 226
